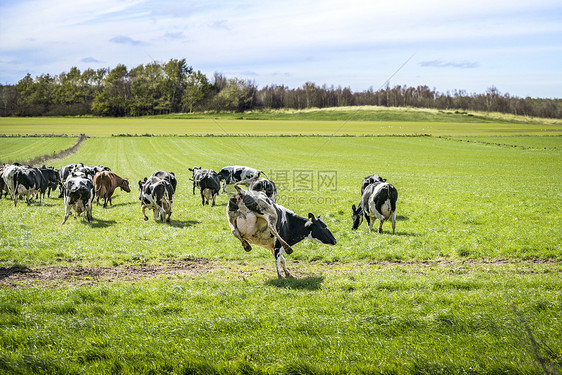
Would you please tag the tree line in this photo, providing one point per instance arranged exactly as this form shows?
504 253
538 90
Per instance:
175 87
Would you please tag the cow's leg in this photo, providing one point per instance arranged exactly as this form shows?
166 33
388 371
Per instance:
370 222
380 225
236 233
272 223
214 197
143 209
202 198
66 210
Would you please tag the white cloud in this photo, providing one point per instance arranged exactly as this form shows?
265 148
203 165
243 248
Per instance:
328 41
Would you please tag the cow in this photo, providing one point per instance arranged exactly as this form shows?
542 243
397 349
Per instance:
3 186
105 183
255 219
23 180
157 194
52 178
168 176
209 185
79 196
64 173
233 174
369 180
377 202
197 173
8 177
264 185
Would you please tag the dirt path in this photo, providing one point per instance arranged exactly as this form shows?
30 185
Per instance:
56 276
19 276
59 155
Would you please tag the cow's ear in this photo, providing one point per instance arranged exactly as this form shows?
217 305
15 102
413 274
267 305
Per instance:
311 216
354 208
190 169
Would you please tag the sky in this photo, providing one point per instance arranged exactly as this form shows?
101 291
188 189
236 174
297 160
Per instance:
447 45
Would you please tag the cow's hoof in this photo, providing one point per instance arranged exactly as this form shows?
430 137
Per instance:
289 250
145 218
247 247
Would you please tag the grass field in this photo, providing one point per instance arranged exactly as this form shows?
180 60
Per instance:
351 121
471 278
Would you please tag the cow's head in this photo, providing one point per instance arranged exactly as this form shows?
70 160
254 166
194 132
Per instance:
125 185
319 230
356 217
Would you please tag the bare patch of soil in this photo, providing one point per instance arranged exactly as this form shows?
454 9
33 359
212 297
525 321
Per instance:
19 276
56 276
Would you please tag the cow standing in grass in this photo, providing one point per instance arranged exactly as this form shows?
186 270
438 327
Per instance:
157 193
255 219
377 202
209 185
105 183
78 196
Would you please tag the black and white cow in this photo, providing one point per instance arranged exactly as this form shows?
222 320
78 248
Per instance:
78 196
262 184
8 175
233 174
157 194
369 180
255 219
209 185
197 175
64 173
52 178
378 202
23 180
168 176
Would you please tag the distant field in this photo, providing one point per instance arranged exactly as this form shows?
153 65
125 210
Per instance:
320 122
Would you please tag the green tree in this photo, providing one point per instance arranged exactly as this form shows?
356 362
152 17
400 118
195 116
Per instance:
196 89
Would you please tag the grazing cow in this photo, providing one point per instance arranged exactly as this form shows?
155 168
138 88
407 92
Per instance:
369 180
105 183
254 218
51 182
378 202
156 194
168 176
79 196
196 177
210 185
233 174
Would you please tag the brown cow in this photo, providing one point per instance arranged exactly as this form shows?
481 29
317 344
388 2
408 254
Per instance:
105 184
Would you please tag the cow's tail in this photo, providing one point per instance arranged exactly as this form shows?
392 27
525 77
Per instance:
262 172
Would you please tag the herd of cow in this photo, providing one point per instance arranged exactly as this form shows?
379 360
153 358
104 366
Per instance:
253 214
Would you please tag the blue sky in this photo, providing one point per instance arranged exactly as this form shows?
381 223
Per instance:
513 45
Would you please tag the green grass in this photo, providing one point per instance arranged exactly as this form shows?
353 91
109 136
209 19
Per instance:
26 148
347 121
472 272
456 200
369 319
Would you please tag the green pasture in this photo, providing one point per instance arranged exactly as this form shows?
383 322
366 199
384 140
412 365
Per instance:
358 121
361 319
470 283
14 149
